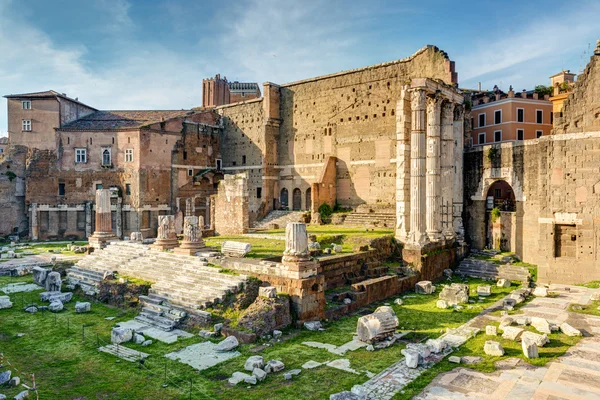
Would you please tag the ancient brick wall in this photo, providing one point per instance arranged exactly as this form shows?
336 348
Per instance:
231 206
12 191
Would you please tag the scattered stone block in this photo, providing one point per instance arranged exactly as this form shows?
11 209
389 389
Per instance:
492 348
313 325
541 325
456 293
454 359
337 248
5 302
254 362
512 333
424 287
311 364
377 326
569 330
288 375
259 374
491 330
398 301
14 381
539 340
523 320
31 309
540 291
83 306
277 334
147 343
509 303
120 335
270 292
238 377
370 348
235 249
441 304
22 395
471 359
595 296
218 328
52 296
227 344
448 273
56 306
411 357
530 349
518 298
274 366
138 339
251 380
484 290
5 377
345 396
436 345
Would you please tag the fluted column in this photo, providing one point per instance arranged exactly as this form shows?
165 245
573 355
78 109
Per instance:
433 191
192 235
34 222
166 234
417 168
447 168
459 113
296 257
403 126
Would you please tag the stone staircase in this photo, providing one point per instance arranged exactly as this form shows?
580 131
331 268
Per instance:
123 352
476 268
181 283
370 219
278 217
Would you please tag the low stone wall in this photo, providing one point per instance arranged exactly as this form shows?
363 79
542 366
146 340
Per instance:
430 264
341 269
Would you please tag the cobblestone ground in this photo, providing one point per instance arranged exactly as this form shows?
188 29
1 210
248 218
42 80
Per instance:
575 375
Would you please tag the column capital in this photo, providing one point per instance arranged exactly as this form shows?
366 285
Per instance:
459 112
418 99
448 108
434 103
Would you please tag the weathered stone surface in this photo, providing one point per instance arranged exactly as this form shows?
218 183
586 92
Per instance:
5 302
277 334
541 325
512 333
268 292
491 330
345 396
530 349
523 320
83 307
53 282
5 377
22 395
147 342
411 357
120 335
251 380
265 315
454 359
539 340
540 291
218 328
51 296
377 326
227 344
398 301
492 348
235 249
436 345
485 290
31 309
456 293
424 287
254 362
138 339
274 366
238 377
313 325
14 381
40 274
569 330
441 304
56 306
503 283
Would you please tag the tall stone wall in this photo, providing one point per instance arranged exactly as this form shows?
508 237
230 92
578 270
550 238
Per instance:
12 191
231 206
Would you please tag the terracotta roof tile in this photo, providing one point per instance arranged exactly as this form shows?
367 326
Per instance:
108 120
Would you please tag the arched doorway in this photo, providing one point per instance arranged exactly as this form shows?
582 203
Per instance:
283 198
500 195
501 219
308 199
297 200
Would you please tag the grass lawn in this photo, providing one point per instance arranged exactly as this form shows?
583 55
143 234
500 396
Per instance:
348 237
44 247
592 309
68 368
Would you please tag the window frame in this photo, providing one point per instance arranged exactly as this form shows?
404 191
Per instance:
219 164
128 189
128 155
26 125
24 102
523 111
539 134
495 113
523 134
479 138
500 132
479 120
80 155
63 191
190 172
536 116
106 150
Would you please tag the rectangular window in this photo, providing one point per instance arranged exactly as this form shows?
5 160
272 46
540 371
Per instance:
520 115
539 116
80 155
520 134
185 155
497 136
26 125
258 192
551 118
106 157
472 122
128 155
128 189
481 138
538 134
243 160
26 104
497 193
61 189
498 117
190 172
481 120
219 163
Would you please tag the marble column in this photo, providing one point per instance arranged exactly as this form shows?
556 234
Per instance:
166 235
103 232
35 229
403 126
119 218
447 169
189 207
433 188
457 206
417 235
192 236
88 219
296 257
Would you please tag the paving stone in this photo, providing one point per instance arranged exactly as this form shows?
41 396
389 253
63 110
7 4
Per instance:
569 330
491 330
201 355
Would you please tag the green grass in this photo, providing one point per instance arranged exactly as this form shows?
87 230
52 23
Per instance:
44 247
592 309
591 284
67 367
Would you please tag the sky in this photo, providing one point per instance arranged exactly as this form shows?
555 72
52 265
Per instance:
148 54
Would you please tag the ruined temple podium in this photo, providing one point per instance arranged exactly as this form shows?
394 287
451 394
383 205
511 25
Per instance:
192 236
296 257
167 237
103 233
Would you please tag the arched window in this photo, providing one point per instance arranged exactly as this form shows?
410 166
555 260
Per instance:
106 157
283 198
297 200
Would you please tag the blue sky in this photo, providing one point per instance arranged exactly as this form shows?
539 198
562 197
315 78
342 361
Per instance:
126 54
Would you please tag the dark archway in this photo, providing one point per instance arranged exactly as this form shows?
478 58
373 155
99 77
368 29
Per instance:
308 199
297 200
501 195
283 198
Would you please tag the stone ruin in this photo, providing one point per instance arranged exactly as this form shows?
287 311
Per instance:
377 326
103 233
192 236
296 256
51 281
166 237
455 294
231 248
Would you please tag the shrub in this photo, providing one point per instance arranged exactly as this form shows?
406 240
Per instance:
325 211
11 175
495 214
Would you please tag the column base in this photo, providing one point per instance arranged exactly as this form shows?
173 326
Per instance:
164 244
190 248
99 240
435 236
299 267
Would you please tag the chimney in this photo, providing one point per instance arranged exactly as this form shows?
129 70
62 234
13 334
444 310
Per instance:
535 95
524 94
511 92
479 86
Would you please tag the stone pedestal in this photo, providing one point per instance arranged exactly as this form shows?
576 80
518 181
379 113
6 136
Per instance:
192 236
167 237
103 233
296 257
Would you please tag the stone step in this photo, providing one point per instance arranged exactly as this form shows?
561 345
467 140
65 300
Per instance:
183 301
164 324
123 352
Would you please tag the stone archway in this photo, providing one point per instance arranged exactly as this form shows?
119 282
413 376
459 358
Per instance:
500 216
501 195
297 200
283 198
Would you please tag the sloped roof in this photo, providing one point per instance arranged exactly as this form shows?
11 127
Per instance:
242 86
45 95
111 120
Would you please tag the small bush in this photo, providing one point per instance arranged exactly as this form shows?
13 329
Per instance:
495 214
325 211
11 175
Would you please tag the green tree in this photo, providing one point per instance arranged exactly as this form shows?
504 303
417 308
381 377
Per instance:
542 90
